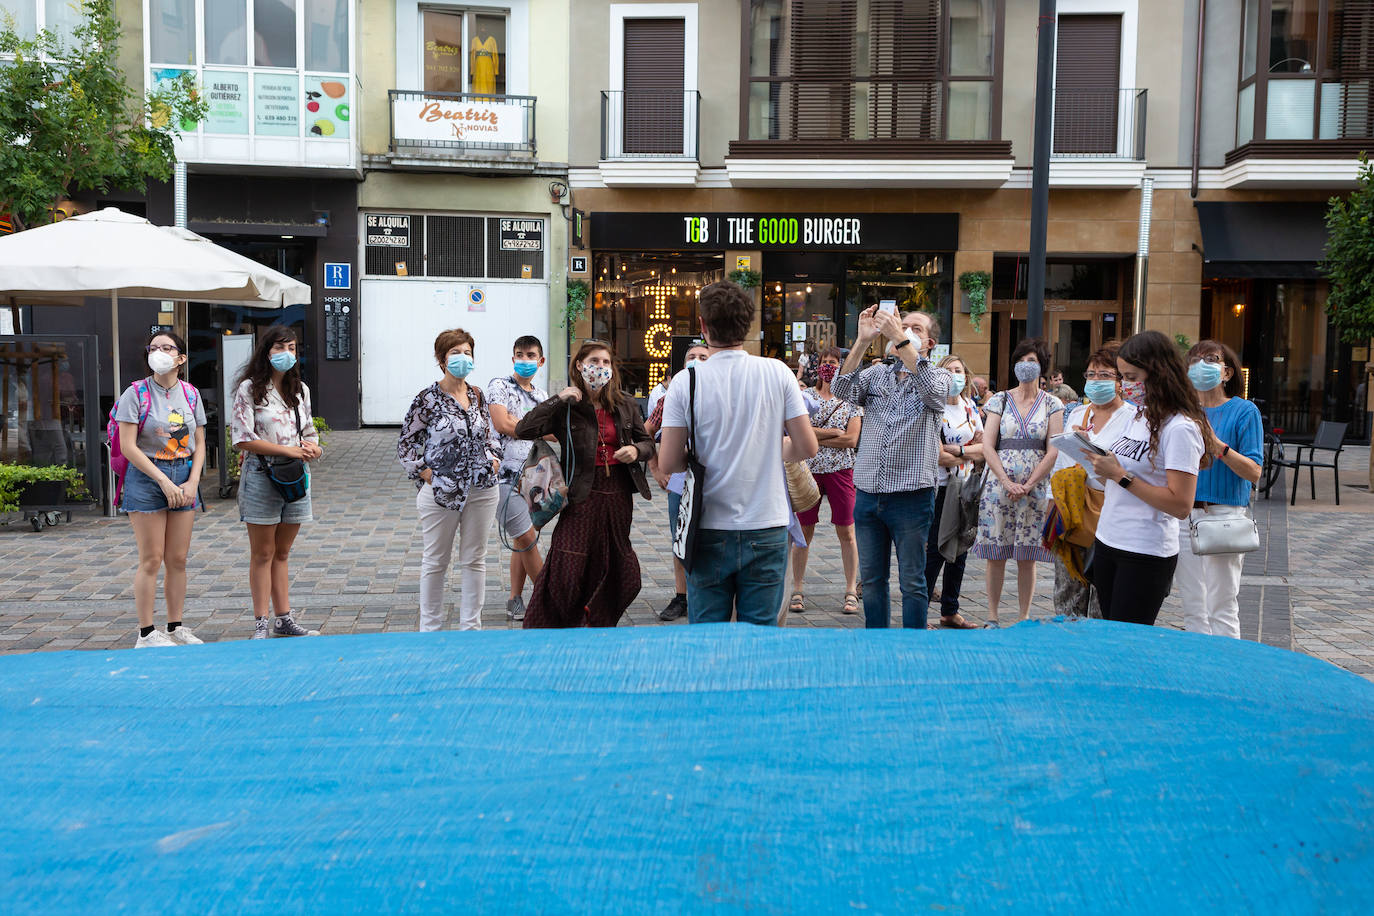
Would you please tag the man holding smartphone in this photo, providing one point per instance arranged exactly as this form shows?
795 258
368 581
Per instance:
899 448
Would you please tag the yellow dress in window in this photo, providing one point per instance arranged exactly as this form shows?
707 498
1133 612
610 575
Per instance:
486 64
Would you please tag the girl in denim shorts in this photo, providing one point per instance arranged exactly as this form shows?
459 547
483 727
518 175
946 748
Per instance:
162 434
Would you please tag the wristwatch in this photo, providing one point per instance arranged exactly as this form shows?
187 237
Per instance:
1126 480
904 342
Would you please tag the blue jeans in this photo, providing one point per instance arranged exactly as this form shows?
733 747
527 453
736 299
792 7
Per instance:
739 571
882 520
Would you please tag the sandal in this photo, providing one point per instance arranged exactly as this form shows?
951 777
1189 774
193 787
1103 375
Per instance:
797 605
957 622
851 603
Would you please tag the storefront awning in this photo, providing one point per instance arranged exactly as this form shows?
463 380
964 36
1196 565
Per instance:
1262 240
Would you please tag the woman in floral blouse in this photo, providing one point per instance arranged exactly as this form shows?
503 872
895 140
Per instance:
447 448
837 425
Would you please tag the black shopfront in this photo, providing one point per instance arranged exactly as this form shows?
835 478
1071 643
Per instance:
815 271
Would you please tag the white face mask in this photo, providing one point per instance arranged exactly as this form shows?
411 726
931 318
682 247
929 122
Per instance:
161 362
595 376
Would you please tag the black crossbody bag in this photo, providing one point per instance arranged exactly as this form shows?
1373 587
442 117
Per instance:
288 475
689 509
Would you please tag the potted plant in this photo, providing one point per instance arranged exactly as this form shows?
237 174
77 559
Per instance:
578 291
22 485
975 284
746 279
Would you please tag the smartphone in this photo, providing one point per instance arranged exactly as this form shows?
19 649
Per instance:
889 306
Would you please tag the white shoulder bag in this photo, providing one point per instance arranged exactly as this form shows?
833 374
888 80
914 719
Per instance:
1220 531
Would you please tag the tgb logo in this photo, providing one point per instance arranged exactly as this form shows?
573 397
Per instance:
698 229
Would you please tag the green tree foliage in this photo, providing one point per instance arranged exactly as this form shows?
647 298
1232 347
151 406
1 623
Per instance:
70 122
1349 263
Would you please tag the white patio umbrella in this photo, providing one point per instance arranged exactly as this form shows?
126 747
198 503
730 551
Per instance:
113 253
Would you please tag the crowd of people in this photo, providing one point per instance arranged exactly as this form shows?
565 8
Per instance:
916 459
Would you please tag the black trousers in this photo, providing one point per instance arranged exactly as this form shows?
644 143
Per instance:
1131 586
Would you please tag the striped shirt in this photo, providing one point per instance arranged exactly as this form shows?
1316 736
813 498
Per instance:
899 447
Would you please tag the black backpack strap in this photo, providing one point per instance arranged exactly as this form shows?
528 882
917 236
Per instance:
692 413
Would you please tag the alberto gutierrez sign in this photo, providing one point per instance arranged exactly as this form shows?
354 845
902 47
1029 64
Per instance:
777 231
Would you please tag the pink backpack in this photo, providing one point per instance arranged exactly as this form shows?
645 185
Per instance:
118 463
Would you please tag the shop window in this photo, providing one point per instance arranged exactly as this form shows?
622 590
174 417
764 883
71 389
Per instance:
172 31
432 245
1081 280
464 51
641 302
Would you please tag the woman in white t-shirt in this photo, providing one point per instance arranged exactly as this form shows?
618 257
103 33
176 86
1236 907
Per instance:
1152 466
961 445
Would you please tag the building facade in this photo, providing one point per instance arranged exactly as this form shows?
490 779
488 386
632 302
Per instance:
851 151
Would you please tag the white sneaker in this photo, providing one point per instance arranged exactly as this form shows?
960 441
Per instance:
183 636
259 628
154 640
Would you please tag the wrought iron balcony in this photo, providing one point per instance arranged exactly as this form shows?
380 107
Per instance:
461 125
1099 124
650 124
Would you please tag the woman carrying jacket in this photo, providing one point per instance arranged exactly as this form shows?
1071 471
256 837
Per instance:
591 574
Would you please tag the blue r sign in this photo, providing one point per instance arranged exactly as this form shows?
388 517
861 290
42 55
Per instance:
338 276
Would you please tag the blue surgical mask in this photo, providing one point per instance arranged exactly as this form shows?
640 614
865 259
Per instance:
460 365
1204 375
1026 371
526 368
956 384
1100 390
283 361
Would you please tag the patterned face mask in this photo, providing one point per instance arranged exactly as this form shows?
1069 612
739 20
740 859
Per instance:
1133 392
596 377
827 371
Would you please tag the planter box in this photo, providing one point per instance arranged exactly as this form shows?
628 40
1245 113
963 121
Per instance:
43 493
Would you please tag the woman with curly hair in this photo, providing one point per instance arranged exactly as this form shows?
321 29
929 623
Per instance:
446 446
1151 473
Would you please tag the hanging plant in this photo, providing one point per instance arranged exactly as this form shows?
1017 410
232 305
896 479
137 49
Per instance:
976 283
746 279
578 290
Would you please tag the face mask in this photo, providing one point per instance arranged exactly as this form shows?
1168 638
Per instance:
161 362
596 377
956 384
283 361
915 338
526 368
1100 391
459 365
1134 392
827 371
1204 375
1026 371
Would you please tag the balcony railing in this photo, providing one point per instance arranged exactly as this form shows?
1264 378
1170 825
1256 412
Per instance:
1099 124
452 124
650 124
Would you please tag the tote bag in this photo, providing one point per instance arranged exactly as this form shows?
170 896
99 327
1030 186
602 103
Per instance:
689 509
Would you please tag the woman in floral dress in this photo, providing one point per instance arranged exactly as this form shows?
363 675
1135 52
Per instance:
1015 501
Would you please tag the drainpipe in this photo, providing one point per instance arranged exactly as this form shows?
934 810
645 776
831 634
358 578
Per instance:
1197 94
180 319
1142 253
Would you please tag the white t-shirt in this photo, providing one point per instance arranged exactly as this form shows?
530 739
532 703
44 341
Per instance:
1104 436
958 426
1127 522
742 403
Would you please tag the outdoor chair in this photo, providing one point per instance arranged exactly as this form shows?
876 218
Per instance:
1330 438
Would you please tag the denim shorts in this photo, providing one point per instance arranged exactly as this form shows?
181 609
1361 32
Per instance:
143 494
512 513
261 504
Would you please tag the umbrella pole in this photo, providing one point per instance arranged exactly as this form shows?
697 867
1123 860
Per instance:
111 510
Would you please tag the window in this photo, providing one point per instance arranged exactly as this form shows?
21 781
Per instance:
876 70
431 245
172 31
464 51
1087 76
274 33
1306 70
1082 280
258 33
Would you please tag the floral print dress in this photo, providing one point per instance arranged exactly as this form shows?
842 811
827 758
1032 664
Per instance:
1011 528
453 441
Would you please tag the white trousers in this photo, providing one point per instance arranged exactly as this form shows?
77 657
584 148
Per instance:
439 526
1208 586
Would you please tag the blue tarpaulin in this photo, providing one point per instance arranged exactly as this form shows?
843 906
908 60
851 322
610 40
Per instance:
1084 767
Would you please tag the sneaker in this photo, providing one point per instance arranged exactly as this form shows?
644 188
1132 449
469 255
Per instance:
154 640
286 626
183 636
515 608
675 609
259 628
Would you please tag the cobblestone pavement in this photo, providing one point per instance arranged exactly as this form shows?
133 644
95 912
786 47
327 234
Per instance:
355 569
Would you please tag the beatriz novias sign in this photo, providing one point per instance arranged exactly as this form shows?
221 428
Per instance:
429 120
